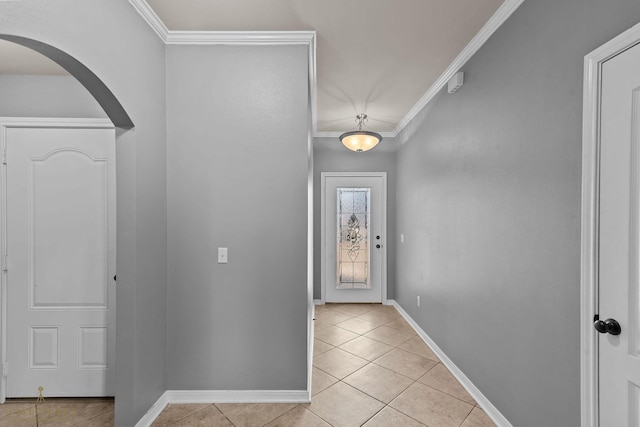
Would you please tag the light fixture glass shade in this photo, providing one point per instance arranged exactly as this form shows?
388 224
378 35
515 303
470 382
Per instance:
360 140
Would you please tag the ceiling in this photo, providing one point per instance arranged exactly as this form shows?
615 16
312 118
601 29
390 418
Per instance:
377 57
15 59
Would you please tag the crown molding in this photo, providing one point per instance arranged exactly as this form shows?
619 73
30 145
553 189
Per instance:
498 18
150 16
253 38
241 38
238 38
219 37
257 38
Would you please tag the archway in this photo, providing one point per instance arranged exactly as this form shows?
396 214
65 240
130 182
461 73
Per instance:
84 75
94 85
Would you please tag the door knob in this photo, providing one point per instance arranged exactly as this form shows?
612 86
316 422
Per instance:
378 246
609 326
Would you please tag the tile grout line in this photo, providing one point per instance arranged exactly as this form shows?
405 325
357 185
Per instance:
282 415
191 413
225 415
372 362
369 362
468 415
389 404
393 348
385 405
92 417
320 416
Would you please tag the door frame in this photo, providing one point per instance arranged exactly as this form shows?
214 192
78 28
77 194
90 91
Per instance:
24 122
589 286
323 243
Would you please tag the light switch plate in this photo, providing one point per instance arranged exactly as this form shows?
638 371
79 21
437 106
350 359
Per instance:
222 256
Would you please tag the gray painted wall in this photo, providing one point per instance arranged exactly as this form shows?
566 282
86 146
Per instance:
237 178
339 159
488 197
46 96
111 39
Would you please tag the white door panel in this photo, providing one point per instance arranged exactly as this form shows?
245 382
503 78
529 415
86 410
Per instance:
60 216
619 211
353 237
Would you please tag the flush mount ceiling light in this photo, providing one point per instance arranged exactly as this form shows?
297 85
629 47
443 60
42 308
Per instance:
360 140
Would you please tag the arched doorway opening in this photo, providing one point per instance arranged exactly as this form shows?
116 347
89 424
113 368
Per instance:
100 92
107 100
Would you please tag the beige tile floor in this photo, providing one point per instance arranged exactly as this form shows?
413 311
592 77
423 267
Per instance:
87 412
370 369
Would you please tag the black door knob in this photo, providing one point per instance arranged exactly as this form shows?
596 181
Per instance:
609 326
378 246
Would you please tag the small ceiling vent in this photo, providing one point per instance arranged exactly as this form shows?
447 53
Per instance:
456 82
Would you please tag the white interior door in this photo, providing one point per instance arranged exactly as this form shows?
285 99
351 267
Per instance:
619 275
353 237
60 246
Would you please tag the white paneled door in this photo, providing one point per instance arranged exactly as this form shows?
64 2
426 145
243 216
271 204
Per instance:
353 237
619 275
60 247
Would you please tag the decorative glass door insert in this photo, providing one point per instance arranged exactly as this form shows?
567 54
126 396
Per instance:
352 239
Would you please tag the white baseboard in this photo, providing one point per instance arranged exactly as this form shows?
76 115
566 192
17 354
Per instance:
155 411
303 396
484 403
222 396
385 302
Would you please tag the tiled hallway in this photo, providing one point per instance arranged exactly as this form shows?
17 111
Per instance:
370 368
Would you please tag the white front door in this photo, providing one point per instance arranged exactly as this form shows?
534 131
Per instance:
619 275
353 237
60 247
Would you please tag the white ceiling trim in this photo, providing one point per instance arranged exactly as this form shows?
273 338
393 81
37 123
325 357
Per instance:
251 38
308 38
257 38
148 14
498 18
238 38
219 37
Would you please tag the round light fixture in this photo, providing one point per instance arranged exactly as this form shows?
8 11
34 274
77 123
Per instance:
360 140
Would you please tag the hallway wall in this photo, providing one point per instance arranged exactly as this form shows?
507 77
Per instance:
112 40
343 160
46 96
488 197
237 177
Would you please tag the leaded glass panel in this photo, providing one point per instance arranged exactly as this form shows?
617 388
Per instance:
353 221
